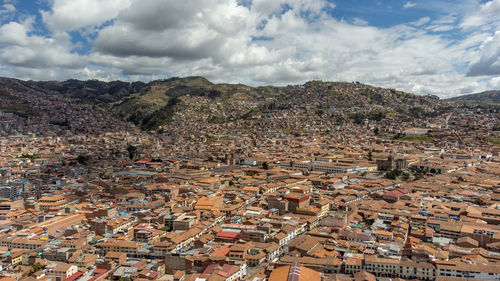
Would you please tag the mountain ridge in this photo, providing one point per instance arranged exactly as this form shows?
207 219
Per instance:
160 102
491 97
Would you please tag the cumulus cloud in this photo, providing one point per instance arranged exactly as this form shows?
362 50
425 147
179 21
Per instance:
271 42
7 11
193 29
409 5
69 15
488 13
486 19
421 21
255 42
359 21
33 51
489 61
14 33
265 7
220 35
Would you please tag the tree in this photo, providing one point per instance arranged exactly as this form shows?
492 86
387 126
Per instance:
398 136
132 150
30 156
357 118
37 266
405 176
265 166
82 159
394 174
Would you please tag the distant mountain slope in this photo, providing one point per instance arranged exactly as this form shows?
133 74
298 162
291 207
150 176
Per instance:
195 99
25 108
153 104
488 97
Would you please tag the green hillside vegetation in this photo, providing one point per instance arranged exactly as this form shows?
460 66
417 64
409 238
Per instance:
494 140
154 104
414 138
21 109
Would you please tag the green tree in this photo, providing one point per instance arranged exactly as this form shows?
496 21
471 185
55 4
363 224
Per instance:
36 267
398 136
82 159
132 151
265 166
30 156
394 174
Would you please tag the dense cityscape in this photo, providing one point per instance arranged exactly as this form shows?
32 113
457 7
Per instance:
307 191
249 140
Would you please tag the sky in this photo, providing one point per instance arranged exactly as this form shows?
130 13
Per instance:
440 47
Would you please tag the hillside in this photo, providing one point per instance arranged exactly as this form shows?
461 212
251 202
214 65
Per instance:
484 98
43 111
195 99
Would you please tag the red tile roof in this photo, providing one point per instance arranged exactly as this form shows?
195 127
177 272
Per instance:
226 234
75 276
